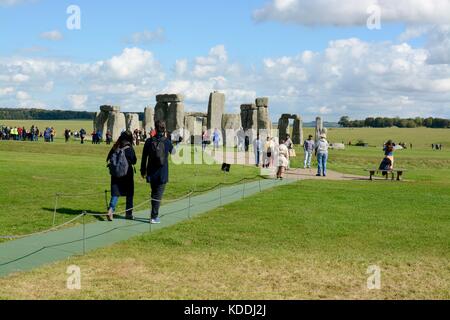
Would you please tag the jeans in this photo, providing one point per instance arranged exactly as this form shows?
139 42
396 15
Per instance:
308 158
115 200
157 195
322 158
258 158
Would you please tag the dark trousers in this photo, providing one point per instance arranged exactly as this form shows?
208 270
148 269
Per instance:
157 195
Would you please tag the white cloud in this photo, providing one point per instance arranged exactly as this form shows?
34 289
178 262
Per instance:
350 76
147 36
22 95
6 91
78 101
354 12
54 35
20 78
132 63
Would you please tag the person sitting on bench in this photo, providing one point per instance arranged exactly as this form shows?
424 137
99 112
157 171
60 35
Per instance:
388 162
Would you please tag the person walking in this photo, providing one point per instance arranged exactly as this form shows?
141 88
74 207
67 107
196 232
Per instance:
121 160
216 139
155 167
257 148
283 159
308 146
322 155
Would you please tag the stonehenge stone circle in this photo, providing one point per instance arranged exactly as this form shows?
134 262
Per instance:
254 118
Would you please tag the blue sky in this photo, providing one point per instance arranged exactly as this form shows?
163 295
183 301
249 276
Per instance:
288 51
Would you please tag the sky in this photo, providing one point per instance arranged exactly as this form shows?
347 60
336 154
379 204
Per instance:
326 58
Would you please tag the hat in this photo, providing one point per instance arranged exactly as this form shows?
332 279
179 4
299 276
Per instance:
323 136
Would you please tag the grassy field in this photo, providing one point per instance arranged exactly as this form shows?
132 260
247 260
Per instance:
312 239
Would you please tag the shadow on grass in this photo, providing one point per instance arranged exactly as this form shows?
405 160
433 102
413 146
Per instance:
73 212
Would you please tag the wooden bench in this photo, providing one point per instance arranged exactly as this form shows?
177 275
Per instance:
387 173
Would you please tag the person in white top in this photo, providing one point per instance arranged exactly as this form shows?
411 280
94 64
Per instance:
322 147
283 159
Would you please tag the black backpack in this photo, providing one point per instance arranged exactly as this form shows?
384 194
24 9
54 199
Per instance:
118 164
158 151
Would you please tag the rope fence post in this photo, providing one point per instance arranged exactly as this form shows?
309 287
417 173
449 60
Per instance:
84 233
56 208
189 208
243 191
106 200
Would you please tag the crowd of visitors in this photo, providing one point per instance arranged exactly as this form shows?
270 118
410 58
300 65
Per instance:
20 133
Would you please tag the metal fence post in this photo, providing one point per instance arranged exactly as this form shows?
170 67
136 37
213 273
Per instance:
84 233
56 208
106 199
189 208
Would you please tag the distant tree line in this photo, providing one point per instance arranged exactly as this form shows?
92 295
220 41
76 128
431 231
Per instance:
380 122
39 114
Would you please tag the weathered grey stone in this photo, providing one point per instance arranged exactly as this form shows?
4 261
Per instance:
149 119
132 122
319 128
175 116
262 102
231 123
297 133
249 117
264 122
216 109
101 123
161 111
168 98
116 124
283 126
193 124
337 146
110 108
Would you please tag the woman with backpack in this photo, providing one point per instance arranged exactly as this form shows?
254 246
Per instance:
121 160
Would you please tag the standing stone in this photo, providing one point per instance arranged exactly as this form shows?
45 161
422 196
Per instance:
116 124
149 119
161 111
264 122
249 117
297 133
132 122
108 109
175 116
101 123
283 126
231 123
216 109
319 128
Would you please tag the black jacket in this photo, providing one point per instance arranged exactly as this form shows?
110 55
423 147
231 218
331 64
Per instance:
124 186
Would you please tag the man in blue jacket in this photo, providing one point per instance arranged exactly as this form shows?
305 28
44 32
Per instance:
155 166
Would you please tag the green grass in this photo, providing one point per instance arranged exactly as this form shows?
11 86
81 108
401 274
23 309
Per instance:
310 240
32 173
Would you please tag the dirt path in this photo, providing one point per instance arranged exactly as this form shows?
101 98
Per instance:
310 174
